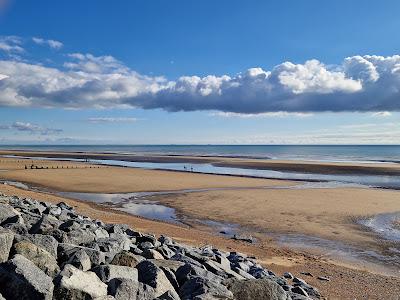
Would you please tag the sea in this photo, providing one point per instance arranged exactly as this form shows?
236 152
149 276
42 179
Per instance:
331 153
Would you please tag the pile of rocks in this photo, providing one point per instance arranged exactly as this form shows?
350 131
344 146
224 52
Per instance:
50 252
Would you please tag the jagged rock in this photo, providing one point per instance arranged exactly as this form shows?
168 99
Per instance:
299 290
21 279
187 271
153 276
45 225
6 240
40 257
224 261
152 254
165 251
8 214
109 272
219 270
79 237
203 288
46 242
80 260
65 251
127 289
128 259
288 275
168 296
257 289
73 283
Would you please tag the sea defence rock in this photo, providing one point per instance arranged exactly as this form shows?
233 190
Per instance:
49 251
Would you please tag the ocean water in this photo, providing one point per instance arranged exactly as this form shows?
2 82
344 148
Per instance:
356 153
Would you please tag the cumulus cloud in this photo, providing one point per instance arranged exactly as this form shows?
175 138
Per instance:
30 128
50 43
359 83
112 120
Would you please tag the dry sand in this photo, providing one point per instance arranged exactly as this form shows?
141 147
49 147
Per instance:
79 177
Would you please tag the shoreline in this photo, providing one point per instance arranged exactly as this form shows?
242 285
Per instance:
301 166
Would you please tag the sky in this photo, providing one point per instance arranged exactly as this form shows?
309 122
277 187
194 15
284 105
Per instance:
199 72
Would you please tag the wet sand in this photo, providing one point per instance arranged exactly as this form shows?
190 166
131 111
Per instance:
343 168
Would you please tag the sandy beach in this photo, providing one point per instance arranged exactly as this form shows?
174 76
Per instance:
255 204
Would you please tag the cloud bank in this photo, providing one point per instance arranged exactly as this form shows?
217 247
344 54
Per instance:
360 83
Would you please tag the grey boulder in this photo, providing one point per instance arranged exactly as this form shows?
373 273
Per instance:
22 279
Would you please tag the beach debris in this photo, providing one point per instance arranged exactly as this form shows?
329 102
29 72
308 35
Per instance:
323 278
244 238
49 251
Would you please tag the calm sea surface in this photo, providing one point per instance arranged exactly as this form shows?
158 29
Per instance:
378 153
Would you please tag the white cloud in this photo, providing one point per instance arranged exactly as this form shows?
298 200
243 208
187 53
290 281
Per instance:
382 114
50 43
30 128
278 114
360 83
11 44
112 120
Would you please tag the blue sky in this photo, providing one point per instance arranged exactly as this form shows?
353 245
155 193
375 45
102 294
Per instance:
199 72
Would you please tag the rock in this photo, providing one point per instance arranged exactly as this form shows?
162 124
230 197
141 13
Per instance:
257 289
244 238
46 242
185 259
288 275
65 251
153 276
224 261
126 289
218 269
202 288
8 214
80 260
128 259
165 240
243 273
152 254
79 237
146 245
6 240
168 296
64 206
109 272
40 257
73 283
22 279
299 290
307 274
167 264
45 225
165 251
187 271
